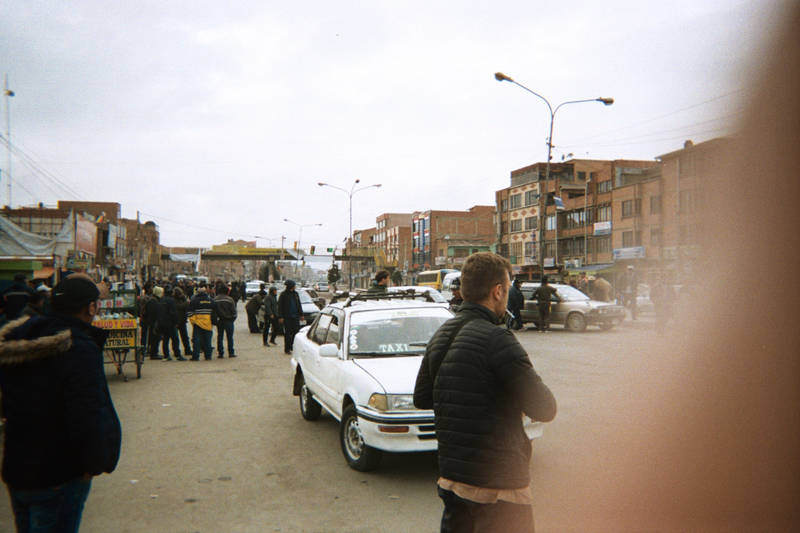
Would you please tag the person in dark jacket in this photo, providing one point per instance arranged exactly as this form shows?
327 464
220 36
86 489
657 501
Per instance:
251 307
270 317
182 306
61 427
167 325
226 313
456 300
15 297
290 311
479 381
543 295
516 301
380 283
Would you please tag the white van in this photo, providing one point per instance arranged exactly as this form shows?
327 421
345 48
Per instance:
447 282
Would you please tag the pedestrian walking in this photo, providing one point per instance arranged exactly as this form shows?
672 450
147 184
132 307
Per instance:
61 428
202 315
251 307
543 294
516 301
151 316
271 325
290 311
479 382
167 326
182 306
226 316
630 287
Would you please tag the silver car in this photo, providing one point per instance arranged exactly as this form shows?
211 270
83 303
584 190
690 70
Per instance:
572 308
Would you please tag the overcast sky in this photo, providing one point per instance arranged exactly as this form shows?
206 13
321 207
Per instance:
217 122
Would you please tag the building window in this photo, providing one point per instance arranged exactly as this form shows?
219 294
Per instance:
503 205
530 251
627 239
550 222
631 207
516 201
516 253
581 175
604 186
531 223
531 197
686 202
604 213
503 228
655 204
516 225
655 236
593 176
603 244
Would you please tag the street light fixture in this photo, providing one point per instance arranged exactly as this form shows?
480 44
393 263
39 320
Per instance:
499 76
349 194
300 227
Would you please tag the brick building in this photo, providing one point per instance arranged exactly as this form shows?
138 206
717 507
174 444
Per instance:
531 230
445 238
393 235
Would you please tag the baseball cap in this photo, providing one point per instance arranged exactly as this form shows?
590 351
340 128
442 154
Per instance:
74 293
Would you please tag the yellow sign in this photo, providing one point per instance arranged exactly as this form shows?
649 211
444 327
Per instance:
115 323
121 338
259 251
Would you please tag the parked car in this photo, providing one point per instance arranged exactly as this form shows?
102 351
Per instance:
310 307
251 288
321 286
431 293
447 283
318 300
359 361
572 308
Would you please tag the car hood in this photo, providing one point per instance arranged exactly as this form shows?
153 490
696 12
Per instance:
396 375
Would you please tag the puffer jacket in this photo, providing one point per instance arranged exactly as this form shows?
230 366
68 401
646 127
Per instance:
479 388
61 422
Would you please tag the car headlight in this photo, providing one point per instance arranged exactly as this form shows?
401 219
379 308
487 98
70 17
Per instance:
391 402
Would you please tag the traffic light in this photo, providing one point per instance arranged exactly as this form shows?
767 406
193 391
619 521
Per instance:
330 250
312 249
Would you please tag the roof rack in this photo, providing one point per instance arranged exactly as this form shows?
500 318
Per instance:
393 295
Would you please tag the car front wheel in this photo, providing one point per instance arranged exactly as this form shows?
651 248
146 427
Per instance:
309 407
576 322
359 456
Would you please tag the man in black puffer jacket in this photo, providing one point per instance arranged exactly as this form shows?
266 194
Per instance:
479 382
61 426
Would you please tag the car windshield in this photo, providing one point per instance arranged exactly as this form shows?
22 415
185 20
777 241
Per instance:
305 298
384 333
568 293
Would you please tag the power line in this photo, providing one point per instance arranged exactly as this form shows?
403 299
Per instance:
31 163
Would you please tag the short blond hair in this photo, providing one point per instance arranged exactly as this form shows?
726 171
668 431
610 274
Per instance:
481 272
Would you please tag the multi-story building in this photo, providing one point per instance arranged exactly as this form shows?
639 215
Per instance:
143 245
566 220
362 245
446 238
393 234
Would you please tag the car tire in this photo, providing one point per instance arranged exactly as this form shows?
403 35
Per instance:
576 322
309 407
359 456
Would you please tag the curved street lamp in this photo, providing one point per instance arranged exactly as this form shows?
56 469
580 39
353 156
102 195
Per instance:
300 227
499 76
349 194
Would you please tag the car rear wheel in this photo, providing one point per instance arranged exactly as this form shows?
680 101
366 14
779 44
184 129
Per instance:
358 455
576 322
309 407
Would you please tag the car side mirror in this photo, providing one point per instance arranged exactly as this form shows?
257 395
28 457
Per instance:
329 350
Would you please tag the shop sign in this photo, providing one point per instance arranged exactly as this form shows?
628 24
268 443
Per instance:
602 228
635 252
86 236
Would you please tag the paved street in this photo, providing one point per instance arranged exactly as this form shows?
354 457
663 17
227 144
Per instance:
220 446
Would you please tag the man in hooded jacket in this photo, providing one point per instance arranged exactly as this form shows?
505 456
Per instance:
61 427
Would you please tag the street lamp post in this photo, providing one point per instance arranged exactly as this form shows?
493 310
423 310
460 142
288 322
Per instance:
499 76
349 194
300 228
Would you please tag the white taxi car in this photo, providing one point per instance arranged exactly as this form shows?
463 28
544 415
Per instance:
359 361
